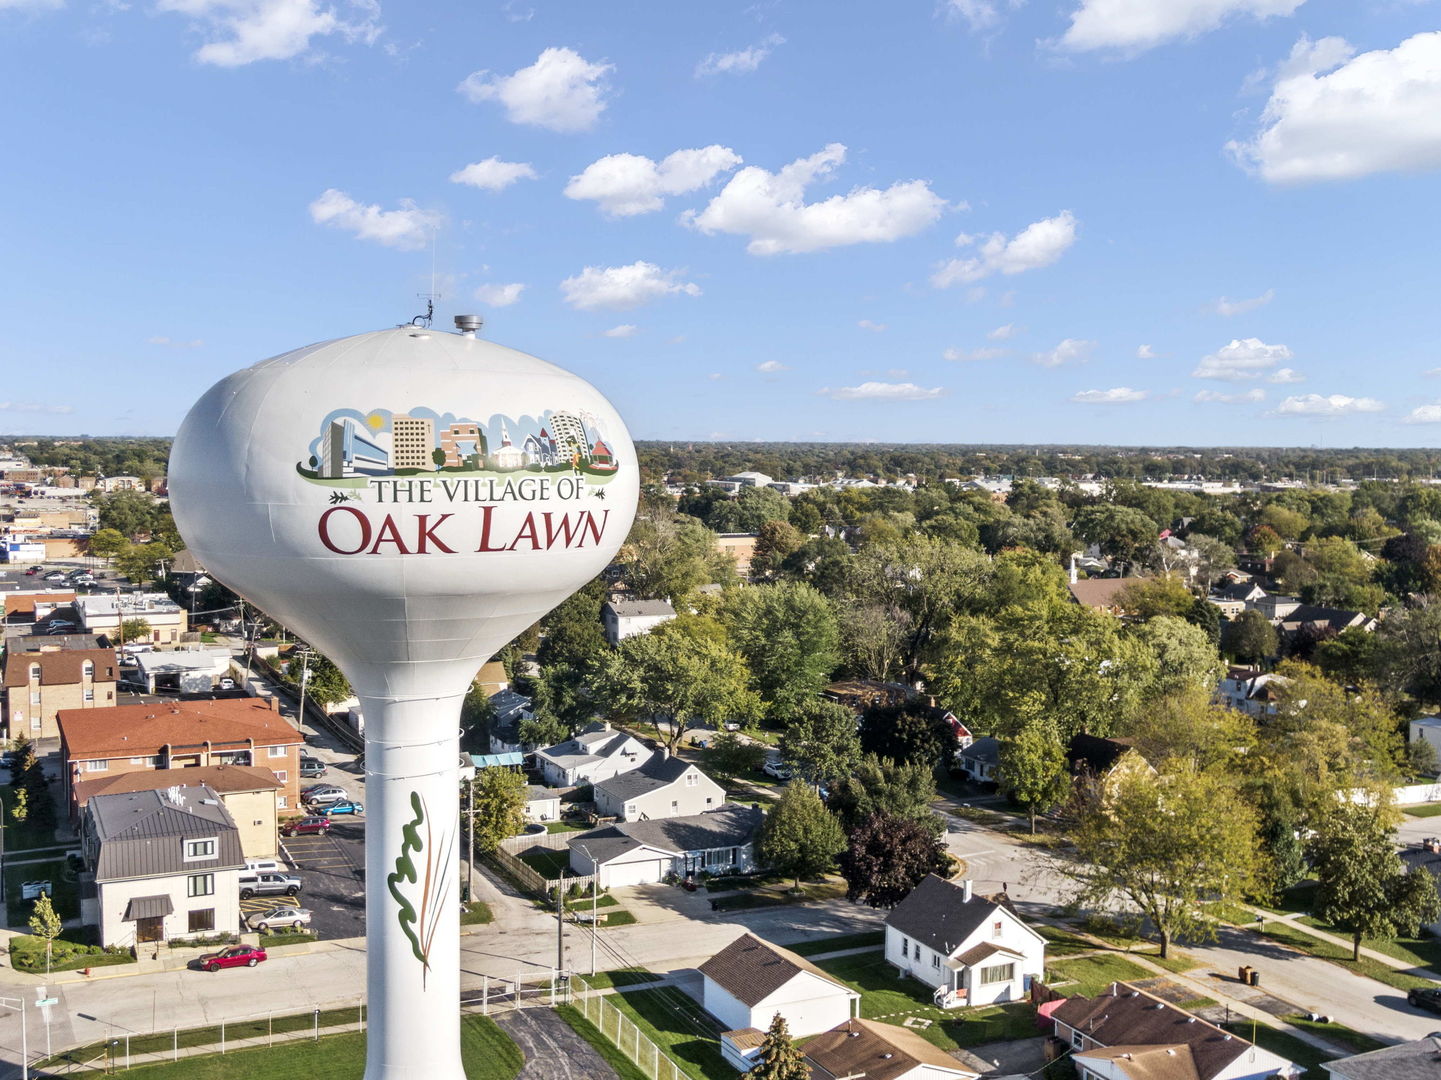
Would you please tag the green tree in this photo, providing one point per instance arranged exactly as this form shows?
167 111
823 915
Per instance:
886 857
788 635
106 543
1147 598
572 632
1183 652
141 563
45 923
561 704
1033 769
1123 533
799 837
820 743
775 542
914 731
499 796
1250 637
667 556
730 755
327 684
1363 887
896 789
780 1058
686 681
20 811
477 713
1165 843
135 630
129 513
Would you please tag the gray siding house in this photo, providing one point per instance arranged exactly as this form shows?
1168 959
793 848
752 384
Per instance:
167 864
664 787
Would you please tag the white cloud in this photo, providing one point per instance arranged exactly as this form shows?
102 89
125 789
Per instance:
771 209
1424 414
1242 359
740 62
1038 244
561 91
882 391
1145 352
1069 351
407 228
1136 25
1240 307
624 330
1230 399
979 14
251 30
769 367
35 407
621 287
31 5
492 174
499 295
974 354
1286 375
866 324
628 184
1377 112
1117 395
1003 333
1432 371
172 343
1329 405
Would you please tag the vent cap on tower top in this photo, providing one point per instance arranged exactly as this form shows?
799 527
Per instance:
468 324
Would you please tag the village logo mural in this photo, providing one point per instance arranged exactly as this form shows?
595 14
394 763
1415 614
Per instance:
426 457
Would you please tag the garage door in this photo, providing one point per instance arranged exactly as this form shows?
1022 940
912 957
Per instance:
637 873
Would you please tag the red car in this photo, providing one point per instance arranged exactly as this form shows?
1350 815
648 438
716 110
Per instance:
232 956
305 826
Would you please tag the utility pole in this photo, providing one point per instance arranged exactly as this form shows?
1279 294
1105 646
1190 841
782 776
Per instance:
304 678
470 838
559 927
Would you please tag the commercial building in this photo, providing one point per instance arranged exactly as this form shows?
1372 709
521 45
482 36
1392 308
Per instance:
412 442
38 685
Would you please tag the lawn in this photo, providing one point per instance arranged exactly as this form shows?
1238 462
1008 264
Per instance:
1285 1044
679 1027
548 864
26 835
1341 956
476 913
1428 810
1062 942
885 995
1177 961
584 903
1091 975
632 976
616 918
837 942
486 1051
64 885
1423 951
1336 1033
623 1066
779 893
566 826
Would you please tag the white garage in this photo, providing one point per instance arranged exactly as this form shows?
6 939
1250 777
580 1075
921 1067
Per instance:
751 980
630 863
644 852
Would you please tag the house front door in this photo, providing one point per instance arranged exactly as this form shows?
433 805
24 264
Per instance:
152 929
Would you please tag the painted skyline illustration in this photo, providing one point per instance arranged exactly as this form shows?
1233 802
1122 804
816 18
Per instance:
354 446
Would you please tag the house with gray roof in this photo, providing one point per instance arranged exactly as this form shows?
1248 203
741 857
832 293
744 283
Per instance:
1419 1059
166 863
981 760
972 950
596 754
644 852
664 787
626 618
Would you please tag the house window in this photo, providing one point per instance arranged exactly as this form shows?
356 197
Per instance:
277 751
97 766
1078 1041
282 775
674 806
89 693
691 779
200 849
34 672
87 670
280 803
905 948
202 920
200 885
1001 973
708 800
935 960
996 929
34 697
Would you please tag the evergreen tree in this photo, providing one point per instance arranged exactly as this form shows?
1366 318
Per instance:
780 1058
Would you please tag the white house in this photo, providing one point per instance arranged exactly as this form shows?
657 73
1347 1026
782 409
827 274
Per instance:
981 760
970 949
1426 729
876 1051
1128 1034
644 852
663 787
627 618
750 980
1250 690
596 754
167 864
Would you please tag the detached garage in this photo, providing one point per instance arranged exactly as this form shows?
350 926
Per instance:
644 852
751 980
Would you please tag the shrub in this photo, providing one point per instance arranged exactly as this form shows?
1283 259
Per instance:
576 891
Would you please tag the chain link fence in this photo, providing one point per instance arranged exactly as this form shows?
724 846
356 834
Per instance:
622 1031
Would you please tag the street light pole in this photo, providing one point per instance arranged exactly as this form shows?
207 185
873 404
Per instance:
18 1004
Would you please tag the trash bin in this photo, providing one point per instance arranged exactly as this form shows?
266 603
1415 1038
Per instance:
1255 977
1244 975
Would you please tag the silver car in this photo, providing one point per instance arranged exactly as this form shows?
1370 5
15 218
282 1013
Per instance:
276 917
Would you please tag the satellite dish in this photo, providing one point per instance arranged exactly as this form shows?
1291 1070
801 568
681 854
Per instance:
407 501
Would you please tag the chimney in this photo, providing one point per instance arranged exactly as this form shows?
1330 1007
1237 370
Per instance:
966 890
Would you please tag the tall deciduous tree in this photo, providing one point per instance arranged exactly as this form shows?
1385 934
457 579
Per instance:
499 796
730 755
788 635
820 743
1165 843
1123 533
800 837
780 1058
1249 637
914 732
876 786
887 857
106 543
1362 885
1033 769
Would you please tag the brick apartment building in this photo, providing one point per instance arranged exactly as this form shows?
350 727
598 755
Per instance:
40 684
180 735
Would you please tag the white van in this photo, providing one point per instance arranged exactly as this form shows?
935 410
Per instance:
263 866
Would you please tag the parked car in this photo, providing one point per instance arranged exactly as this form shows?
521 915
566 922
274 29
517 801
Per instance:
776 769
264 866
252 884
226 683
311 767
1428 998
54 575
344 806
732 725
320 794
306 826
276 917
232 956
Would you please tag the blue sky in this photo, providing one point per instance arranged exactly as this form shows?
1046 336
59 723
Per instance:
1106 221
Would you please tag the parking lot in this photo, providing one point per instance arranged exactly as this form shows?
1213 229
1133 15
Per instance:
332 868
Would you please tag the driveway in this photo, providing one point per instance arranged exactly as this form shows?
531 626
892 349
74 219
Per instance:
553 1051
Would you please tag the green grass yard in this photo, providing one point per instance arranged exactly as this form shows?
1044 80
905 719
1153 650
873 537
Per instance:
1428 810
837 942
623 1066
1061 942
679 1027
476 913
1339 1034
65 889
1091 975
548 864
